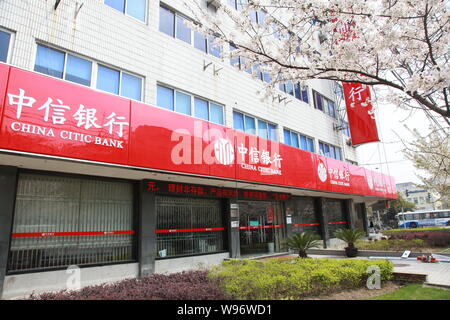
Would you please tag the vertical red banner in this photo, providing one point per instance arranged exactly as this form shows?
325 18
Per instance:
360 113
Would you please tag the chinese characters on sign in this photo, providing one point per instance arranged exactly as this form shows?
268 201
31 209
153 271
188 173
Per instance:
55 112
262 157
207 191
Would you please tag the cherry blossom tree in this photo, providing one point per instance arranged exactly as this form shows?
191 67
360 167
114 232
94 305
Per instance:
402 45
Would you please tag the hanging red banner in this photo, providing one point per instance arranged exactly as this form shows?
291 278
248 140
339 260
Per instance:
360 113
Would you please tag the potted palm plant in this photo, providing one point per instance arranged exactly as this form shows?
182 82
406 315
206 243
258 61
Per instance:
302 242
350 236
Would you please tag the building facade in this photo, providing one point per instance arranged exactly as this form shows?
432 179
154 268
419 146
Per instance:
128 146
423 199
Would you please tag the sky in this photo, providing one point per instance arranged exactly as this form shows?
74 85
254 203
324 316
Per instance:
386 156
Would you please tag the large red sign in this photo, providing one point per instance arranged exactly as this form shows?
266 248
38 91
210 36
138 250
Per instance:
360 113
47 116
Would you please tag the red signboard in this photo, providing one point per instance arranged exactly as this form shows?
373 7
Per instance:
360 113
43 115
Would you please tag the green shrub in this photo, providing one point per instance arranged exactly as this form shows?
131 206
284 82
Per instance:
431 229
391 245
293 278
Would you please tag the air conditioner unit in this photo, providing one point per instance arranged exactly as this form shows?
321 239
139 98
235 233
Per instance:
349 142
213 3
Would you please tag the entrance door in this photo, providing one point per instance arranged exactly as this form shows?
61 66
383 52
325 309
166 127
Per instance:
261 227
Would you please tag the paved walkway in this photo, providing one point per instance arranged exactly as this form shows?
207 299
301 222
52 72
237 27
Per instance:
437 273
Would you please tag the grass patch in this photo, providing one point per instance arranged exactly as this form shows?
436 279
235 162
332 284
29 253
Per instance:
415 292
293 278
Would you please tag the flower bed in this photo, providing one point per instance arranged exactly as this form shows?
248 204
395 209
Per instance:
192 285
293 278
433 237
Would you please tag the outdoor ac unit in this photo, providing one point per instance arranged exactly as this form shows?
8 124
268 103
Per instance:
349 142
213 3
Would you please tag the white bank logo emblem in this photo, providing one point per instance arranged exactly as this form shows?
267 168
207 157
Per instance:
322 172
224 151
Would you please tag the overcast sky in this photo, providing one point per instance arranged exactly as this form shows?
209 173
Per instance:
386 156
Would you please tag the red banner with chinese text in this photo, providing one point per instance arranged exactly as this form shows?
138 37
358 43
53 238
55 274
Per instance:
360 113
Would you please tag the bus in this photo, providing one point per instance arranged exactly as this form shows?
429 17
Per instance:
423 218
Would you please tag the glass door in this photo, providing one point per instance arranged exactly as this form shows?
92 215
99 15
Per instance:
261 228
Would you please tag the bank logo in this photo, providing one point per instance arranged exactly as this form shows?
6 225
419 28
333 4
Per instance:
322 172
224 151
370 182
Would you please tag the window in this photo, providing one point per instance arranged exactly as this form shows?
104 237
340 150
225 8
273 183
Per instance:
94 219
330 151
301 93
134 8
173 24
5 41
119 82
297 140
72 68
62 65
189 105
188 214
251 125
166 21
324 104
294 89
346 129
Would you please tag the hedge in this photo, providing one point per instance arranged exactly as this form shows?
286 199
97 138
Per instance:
293 278
391 245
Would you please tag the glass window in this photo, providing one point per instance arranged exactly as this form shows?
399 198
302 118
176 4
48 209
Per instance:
49 61
134 8
266 77
183 32
183 104
165 98
137 9
108 79
305 95
166 21
331 109
272 132
232 3
261 17
216 115
79 208
250 126
116 4
287 137
318 101
214 49
303 143
282 87
78 70
131 86
294 140
290 88
201 109
199 41
238 121
235 62
327 150
310 144
5 39
262 129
